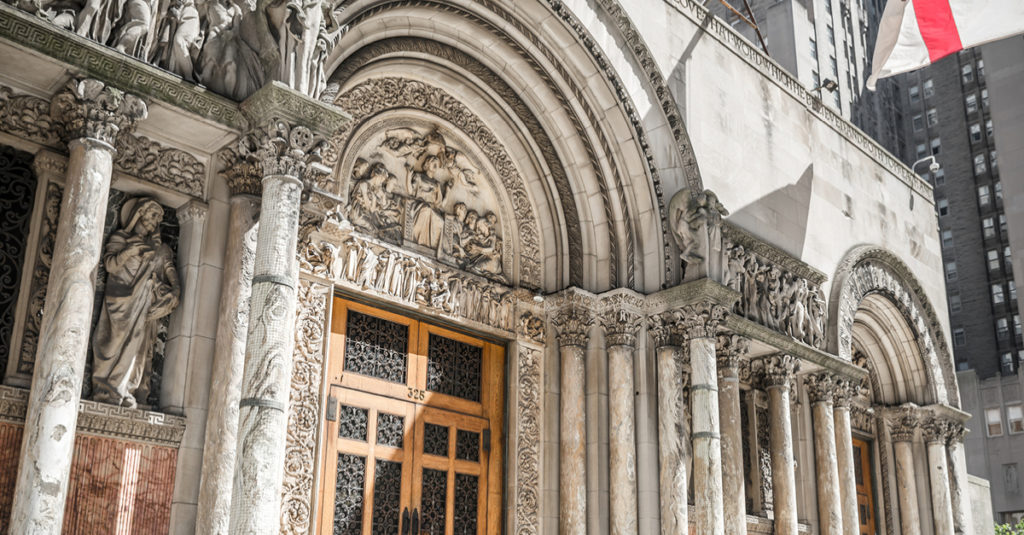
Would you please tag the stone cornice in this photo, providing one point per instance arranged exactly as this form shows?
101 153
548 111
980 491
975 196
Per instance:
780 258
701 290
105 420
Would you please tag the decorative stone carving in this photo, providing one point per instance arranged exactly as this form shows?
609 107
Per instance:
902 424
91 109
821 386
40 278
531 327
778 370
862 418
731 352
279 147
528 440
696 224
27 116
662 329
573 323
956 433
844 391
142 287
621 327
935 429
701 320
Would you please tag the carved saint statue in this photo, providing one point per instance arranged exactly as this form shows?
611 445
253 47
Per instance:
696 223
428 190
142 287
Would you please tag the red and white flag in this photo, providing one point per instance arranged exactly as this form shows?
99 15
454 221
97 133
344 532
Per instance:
915 33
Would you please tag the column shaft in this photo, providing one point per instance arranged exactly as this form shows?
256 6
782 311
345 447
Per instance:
780 430
830 514
910 518
52 414
263 409
707 449
960 487
214 513
622 440
938 474
847 479
671 419
572 468
733 485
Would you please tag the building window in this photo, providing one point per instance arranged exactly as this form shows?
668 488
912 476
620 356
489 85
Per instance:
979 164
914 93
1006 363
947 239
1009 260
984 195
975 133
918 122
998 298
1002 224
936 146
959 338
955 304
922 149
972 103
984 98
814 49
993 260
1002 327
933 117
942 206
929 88
828 27
940 176
1013 297
988 128
998 188
1016 324
1015 418
951 271
967 72
815 78
992 158
994 420
988 228
981 68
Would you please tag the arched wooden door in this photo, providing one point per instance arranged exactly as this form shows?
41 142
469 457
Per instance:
414 428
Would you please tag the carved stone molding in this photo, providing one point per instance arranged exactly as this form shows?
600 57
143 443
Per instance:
89 108
531 327
821 386
243 177
778 370
702 320
731 351
621 327
192 211
862 418
935 429
903 421
957 433
528 441
845 391
573 325
27 116
662 329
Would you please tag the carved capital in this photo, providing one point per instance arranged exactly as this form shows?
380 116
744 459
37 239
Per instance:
90 109
731 351
778 370
701 320
243 177
844 392
957 433
662 329
902 424
572 325
621 327
821 386
935 429
279 147
531 327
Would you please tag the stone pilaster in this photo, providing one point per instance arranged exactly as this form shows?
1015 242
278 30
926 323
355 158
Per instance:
572 324
959 487
621 326
821 388
90 115
903 425
935 432
673 433
700 323
844 392
777 375
731 352
287 134
214 512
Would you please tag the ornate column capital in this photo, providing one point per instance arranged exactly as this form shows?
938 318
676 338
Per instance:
701 320
731 350
957 433
90 109
902 423
844 392
621 326
572 325
935 429
821 386
243 176
778 370
661 328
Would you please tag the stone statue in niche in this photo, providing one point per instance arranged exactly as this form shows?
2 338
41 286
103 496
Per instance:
696 223
438 208
142 287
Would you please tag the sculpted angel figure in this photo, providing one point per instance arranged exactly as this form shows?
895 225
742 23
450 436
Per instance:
142 288
696 224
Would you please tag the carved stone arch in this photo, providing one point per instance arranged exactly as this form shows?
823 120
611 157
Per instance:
874 285
626 174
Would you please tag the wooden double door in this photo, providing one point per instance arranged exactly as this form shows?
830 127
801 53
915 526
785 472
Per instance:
414 428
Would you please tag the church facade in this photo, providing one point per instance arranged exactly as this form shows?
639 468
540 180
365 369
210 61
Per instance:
456 266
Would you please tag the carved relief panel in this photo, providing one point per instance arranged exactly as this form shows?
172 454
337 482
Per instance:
417 183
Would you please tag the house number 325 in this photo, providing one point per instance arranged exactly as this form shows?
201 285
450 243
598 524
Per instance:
417 394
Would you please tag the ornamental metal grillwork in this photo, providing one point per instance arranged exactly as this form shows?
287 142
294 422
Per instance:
348 495
387 494
17 192
466 500
390 429
352 423
376 347
435 440
467 445
858 468
432 503
764 459
453 368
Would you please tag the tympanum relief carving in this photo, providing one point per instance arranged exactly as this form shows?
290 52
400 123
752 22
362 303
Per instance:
410 185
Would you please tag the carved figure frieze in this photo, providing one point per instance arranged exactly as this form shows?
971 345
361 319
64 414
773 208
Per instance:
411 186
141 288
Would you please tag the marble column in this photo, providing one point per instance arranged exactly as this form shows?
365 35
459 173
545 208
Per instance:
845 391
285 141
902 432
935 433
91 115
731 352
778 372
959 487
214 514
820 389
572 324
700 323
673 435
620 334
